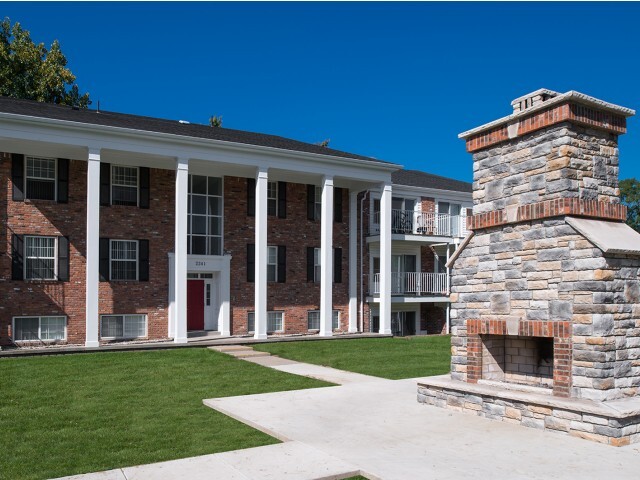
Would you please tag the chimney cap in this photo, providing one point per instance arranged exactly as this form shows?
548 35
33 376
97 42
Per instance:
553 99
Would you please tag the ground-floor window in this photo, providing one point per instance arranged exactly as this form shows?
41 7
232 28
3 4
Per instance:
313 319
275 321
39 328
123 326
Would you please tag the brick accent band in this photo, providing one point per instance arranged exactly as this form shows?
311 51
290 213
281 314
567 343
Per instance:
560 332
551 208
563 112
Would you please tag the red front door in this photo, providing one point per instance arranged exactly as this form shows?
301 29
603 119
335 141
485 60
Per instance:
195 304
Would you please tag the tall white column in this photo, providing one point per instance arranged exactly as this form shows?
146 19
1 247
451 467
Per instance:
326 258
224 319
353 262
93 248
385 259
180 269
448 272
260 315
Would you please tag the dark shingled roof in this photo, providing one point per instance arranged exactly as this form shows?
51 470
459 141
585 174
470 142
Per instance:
416 178
159 125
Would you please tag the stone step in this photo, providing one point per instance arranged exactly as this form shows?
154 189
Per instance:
229 348
249 354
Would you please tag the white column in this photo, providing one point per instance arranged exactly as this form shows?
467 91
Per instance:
385 259
326 258
224 319
353 262
448 318
93 248
260 279
180 249
448 273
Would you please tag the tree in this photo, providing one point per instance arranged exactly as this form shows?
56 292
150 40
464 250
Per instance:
32 72
630 196
215 121
324 143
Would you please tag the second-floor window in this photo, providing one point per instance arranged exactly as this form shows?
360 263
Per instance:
124 185
204 225
41 178
272 198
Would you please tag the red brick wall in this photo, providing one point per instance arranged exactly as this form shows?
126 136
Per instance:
296 232
155 224
433 319
44 217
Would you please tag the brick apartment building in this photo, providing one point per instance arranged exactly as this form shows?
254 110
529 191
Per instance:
118 227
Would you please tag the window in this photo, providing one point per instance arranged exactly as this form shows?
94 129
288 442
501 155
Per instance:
314 261
124 185
124 260
123 326
39 328
318 203
272 198
313 320
40 258
41 178
275 321
316 265
204 225
272 264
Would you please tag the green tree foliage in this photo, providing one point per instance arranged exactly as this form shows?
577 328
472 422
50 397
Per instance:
630 196
324 143
32 72
215 121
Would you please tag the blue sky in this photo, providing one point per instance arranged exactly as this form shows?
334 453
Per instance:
396 81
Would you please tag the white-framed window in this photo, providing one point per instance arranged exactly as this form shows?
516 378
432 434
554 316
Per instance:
123 259
40 258
318 203
316 264
123 326
272 198
313 319
39 328
204 224
275 321
40 174
272 264
124 185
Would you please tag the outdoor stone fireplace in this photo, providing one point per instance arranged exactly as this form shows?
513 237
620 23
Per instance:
545 297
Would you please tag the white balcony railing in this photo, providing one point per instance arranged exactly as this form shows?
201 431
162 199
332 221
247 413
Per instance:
409 222
414 283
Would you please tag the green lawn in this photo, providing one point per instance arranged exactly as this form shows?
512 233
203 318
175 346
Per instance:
394 358
61 415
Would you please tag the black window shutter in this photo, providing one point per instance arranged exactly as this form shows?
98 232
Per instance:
104 260
311 202
17 257
282 199
143 260
337 265
63 180
251 262
282 264
144 187
337 205
17 176
105 184
251 197
310 264
63 258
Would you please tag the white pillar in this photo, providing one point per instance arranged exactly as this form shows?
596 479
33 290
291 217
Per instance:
260 309
180 249
93 248
326 258
448 318
353 262
448 273
224 319
385 259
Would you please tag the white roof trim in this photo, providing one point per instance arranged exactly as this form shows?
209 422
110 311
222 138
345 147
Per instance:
610 237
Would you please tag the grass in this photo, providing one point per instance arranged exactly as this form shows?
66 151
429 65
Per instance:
62 415
392 358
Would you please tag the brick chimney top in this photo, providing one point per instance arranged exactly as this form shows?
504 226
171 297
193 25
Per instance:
543 108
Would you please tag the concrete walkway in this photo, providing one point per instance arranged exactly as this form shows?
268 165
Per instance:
375 427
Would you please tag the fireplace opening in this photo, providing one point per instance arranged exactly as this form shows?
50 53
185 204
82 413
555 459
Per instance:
518 360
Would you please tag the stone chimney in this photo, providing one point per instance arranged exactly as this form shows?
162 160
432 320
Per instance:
545 291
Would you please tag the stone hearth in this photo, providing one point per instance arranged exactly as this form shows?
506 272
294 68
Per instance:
546 289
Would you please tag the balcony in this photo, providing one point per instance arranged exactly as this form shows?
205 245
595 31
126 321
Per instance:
408 222
414 283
